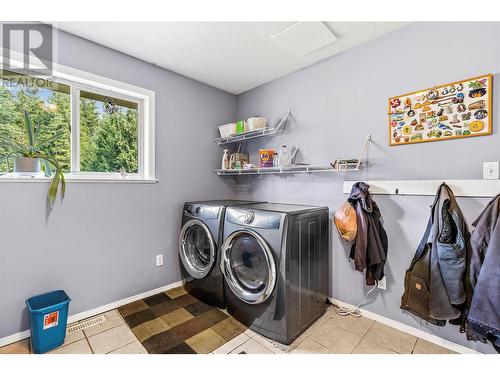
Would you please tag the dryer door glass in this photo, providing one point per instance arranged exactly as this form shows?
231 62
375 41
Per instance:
197 249
249 266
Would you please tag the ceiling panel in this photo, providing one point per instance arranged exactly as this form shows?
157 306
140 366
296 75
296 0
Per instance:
232 56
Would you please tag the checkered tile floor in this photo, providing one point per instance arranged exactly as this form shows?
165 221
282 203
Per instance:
176 322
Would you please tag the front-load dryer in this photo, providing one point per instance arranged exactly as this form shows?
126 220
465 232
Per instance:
274 259
199 242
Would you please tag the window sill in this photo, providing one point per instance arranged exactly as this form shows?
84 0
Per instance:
80 179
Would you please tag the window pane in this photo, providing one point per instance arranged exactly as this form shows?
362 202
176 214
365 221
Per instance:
108 134
48 104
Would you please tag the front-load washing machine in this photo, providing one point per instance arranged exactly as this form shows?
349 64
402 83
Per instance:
199 249
274 259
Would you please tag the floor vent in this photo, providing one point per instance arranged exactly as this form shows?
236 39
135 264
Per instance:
86 324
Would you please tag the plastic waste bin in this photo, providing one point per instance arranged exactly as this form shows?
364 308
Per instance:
48 319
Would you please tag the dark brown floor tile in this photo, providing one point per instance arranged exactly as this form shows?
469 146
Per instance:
213 316
185 299
164 308
156 299
139 317
229 328
162 342
182 348
191 327
132 308
197 308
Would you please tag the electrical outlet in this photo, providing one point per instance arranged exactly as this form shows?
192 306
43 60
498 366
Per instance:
490 170
159 260
382 283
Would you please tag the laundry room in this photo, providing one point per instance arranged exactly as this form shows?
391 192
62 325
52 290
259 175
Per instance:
284 185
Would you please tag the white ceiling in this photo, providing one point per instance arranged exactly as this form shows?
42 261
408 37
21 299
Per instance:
232 56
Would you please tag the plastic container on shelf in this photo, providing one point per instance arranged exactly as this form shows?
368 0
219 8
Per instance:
227 130
284 157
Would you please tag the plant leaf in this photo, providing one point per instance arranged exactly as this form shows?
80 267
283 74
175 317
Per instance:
29 128
37 132
63 185
48 170
54 185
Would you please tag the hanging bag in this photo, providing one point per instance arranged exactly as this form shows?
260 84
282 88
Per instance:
345 221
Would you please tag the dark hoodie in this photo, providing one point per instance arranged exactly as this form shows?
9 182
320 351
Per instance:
369 250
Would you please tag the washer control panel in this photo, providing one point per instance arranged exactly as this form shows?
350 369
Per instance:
255 219
201 211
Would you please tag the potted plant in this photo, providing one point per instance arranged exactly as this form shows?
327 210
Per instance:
29 155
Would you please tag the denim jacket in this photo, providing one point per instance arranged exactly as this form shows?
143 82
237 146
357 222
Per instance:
435 280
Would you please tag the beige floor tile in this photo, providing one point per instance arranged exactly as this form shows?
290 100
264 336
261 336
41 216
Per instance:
251 347
250 333
176 292
336 339
133 307
358 326
20 347
232 344
367 347
132 348
205 342
72 337
113 319
77 347
426 347
390 338
309 346
111 339
150 328
176 317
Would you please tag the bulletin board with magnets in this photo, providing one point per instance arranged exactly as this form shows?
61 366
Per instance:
460 109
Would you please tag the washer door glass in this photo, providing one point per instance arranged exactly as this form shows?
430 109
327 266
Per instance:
197 249
249 267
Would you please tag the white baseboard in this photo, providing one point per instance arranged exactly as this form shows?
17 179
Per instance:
408 329
98 310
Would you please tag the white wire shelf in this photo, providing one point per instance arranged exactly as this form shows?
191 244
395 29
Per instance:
264 133
288 170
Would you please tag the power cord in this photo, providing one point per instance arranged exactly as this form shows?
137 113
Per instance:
344 311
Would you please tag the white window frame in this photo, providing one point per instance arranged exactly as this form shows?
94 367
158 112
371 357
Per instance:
79 80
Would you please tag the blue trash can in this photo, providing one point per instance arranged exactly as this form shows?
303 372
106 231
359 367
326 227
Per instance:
48 319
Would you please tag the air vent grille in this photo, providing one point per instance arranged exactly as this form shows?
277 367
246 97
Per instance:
86 324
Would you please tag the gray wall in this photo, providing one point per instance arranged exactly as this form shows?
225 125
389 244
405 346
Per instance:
100 244
337 102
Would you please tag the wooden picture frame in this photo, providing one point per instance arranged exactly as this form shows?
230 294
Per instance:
460 109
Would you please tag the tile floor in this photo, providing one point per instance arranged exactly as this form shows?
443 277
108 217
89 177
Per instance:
332 334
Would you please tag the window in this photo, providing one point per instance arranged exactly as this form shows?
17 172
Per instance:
107 126
48 106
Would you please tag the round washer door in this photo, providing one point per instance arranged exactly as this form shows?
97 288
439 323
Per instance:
248 266
196 248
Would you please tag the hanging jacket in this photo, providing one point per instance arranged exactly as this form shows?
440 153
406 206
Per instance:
435 280
483 319
369 250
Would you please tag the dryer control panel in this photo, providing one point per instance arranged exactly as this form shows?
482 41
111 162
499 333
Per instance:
255 219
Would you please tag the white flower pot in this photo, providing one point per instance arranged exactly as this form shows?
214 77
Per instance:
27 167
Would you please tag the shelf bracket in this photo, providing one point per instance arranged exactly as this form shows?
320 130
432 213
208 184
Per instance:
283 121
365 145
